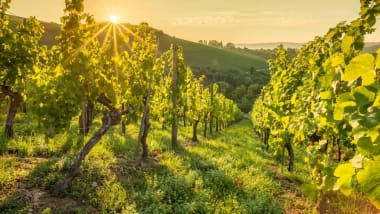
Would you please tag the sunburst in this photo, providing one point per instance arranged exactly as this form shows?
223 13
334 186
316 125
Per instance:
114 19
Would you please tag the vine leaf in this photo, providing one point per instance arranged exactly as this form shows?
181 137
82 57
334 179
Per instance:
363 96
365 145
347 43
344 172
361 66
369 179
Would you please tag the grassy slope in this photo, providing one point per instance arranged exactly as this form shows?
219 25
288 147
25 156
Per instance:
202 56
226 173
196 55
229 172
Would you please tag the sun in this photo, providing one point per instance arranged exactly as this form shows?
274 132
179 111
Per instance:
114 19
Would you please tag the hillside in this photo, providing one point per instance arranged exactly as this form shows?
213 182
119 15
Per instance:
51 29
200 56
240 74
371 47
270 45
196 55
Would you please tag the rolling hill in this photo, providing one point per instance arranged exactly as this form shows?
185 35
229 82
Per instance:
370 47
204 56
240 74
197 56
270 45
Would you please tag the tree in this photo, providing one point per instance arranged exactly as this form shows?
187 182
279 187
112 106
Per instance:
215 43
19 56
230 45
105 71
171 94
142 78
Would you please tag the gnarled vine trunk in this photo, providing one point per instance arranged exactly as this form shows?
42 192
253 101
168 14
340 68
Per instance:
175 97
205 127
110 118
15 102
195 125
143 133
289 148
339 149
86 117
266 138
216 125
123 122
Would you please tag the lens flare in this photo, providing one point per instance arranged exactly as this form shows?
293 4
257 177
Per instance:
114 19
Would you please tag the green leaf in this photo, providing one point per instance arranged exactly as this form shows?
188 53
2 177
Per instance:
365 145
346 97
337 59
369 180
361 66
327 79
373 133
371 119
363 96
347 43
377 100
338 112
343 107
344 172
326 95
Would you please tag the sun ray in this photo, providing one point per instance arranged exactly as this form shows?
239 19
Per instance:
116 56
93 25
124 37
132 33
107 36
115 51
86 43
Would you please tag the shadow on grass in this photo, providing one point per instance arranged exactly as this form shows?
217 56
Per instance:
32 193
156 186
152 186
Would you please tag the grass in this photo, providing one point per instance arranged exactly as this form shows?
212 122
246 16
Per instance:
203 56
229 172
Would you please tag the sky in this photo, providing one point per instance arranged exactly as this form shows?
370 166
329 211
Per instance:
237 21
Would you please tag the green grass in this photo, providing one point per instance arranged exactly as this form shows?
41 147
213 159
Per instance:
228 172
221 174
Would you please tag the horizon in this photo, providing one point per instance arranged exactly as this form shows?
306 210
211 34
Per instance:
249 22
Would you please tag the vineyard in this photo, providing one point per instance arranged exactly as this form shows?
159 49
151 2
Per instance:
120 80
326 99
104 122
